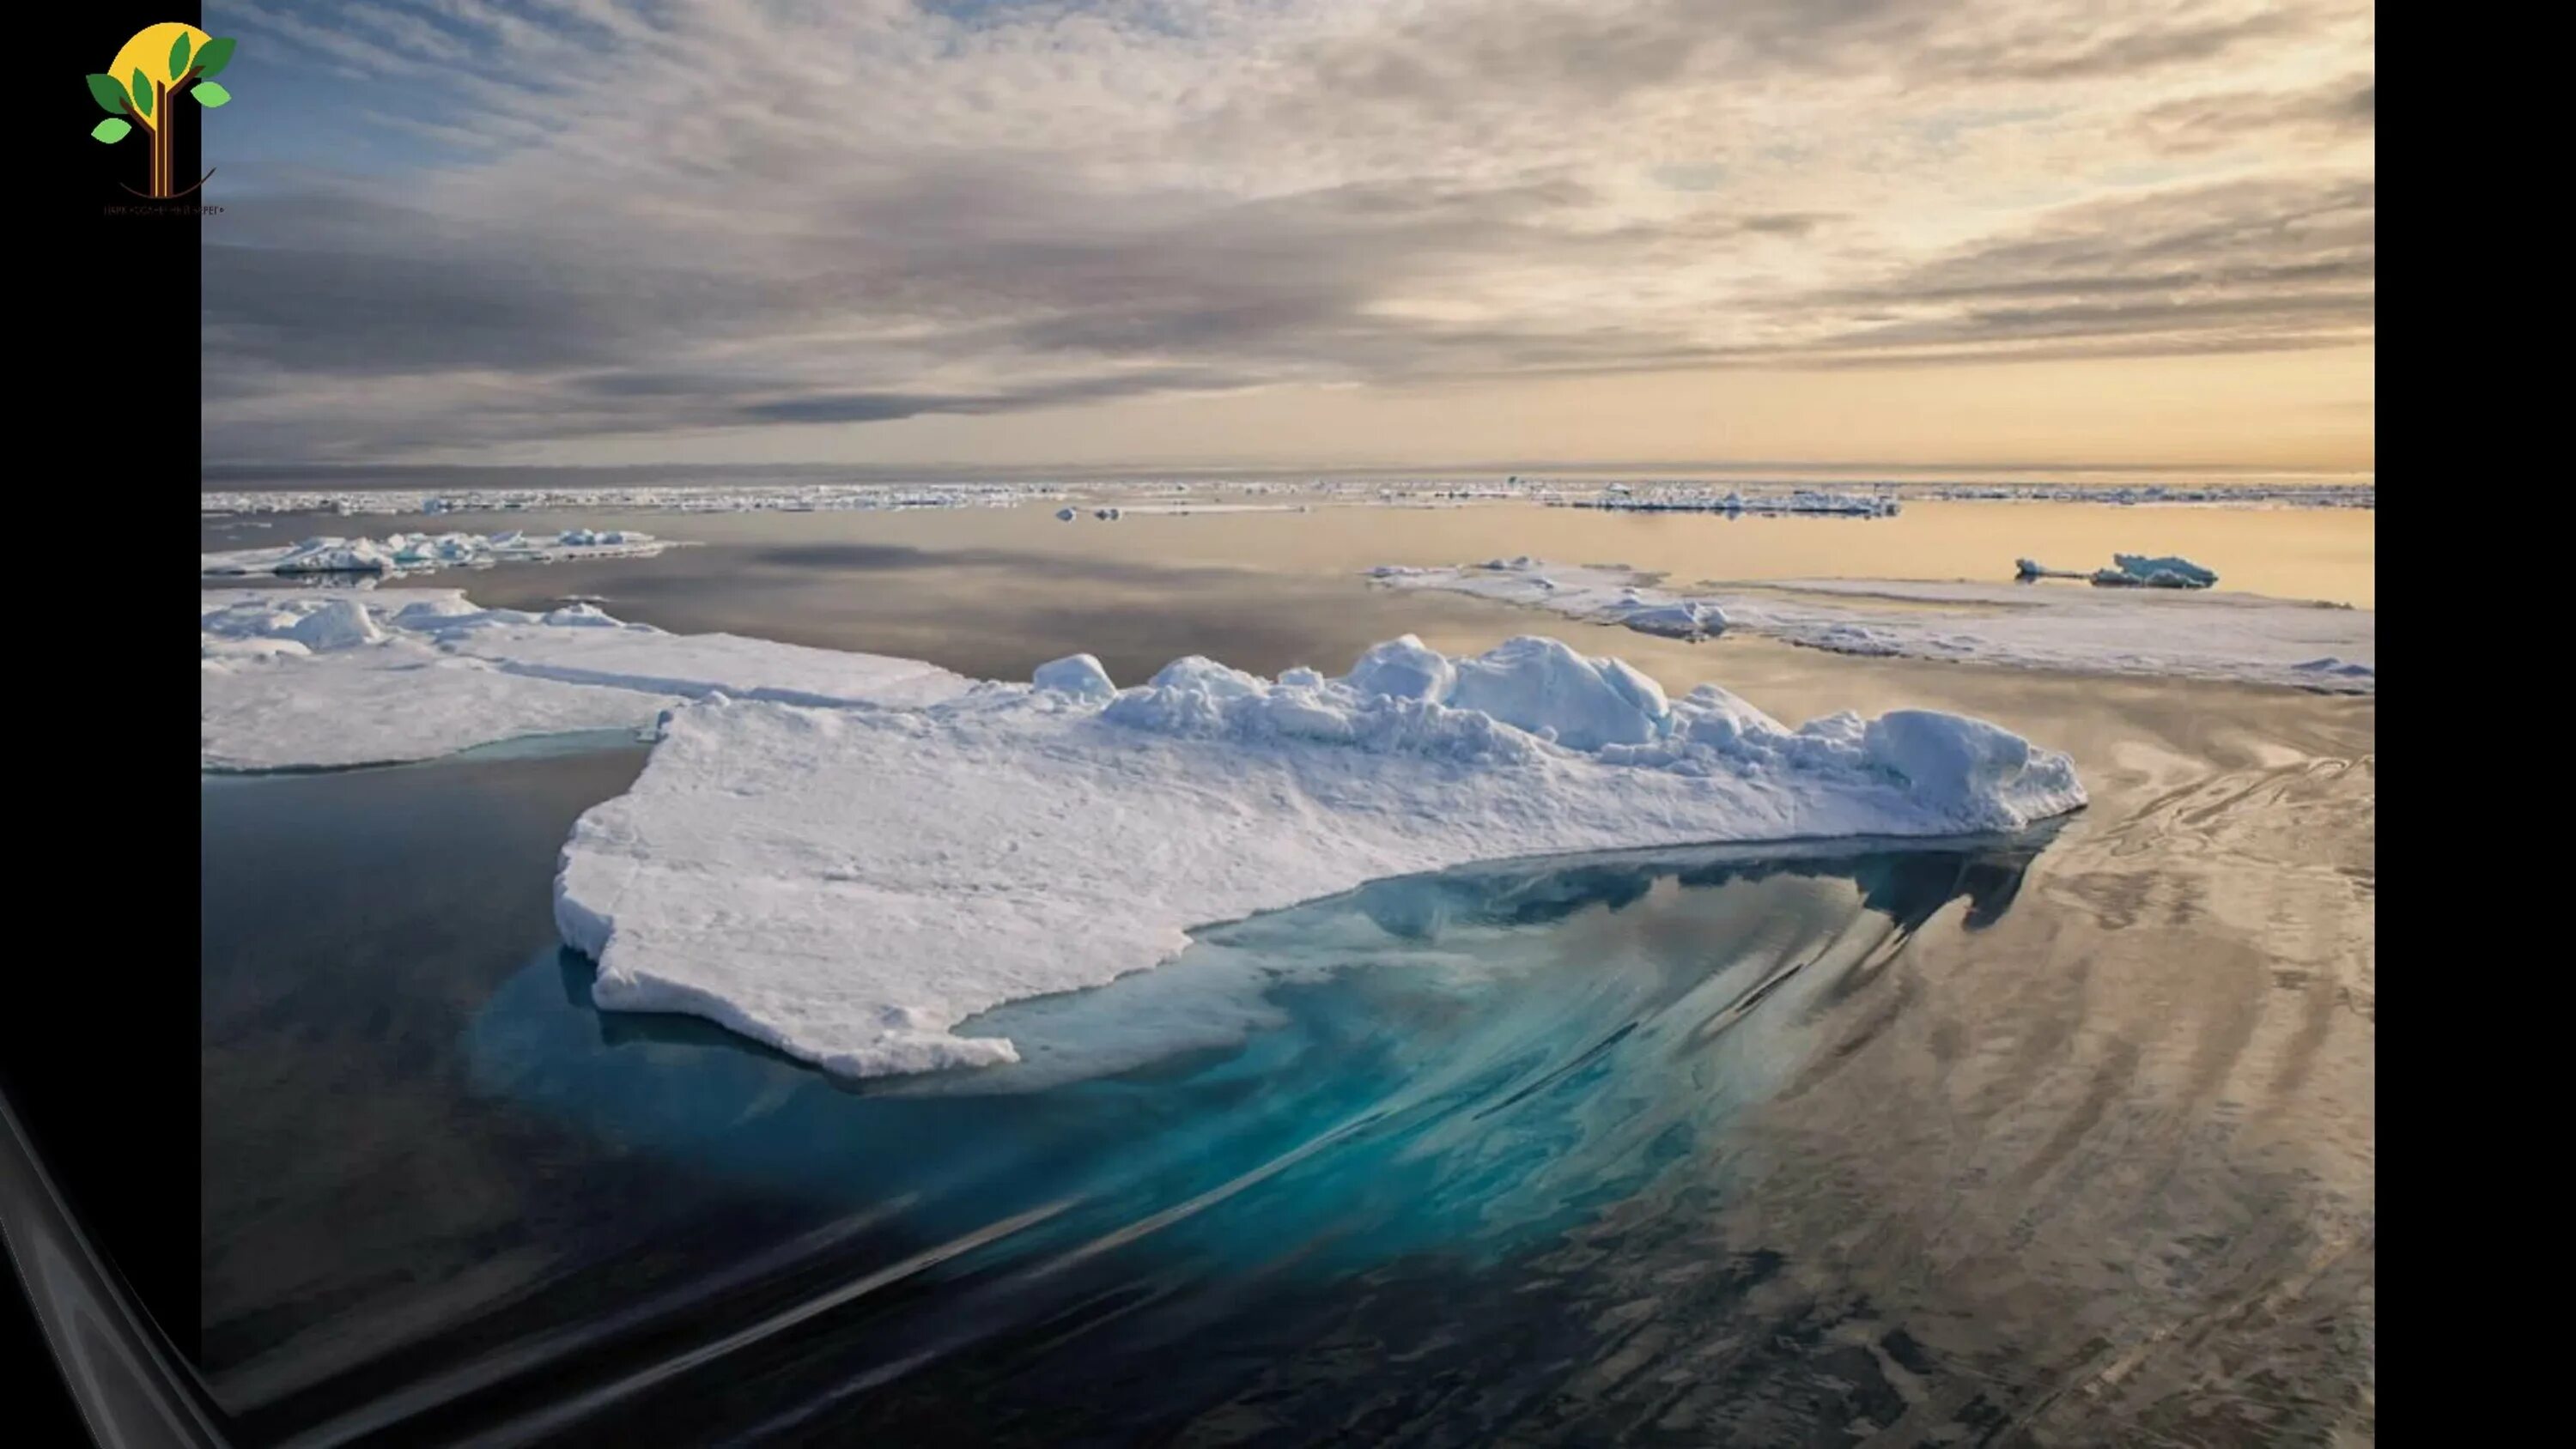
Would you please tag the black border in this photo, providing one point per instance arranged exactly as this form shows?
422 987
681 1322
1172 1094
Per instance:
99 1034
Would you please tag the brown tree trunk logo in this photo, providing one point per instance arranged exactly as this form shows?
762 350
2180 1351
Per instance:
141 89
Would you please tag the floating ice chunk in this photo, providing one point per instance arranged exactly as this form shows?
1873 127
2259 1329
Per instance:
2148 568
1080 675
1680 619
851 885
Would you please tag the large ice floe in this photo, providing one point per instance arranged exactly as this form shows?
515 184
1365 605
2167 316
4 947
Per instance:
2173 630
852 885
303 679
847 856
409 553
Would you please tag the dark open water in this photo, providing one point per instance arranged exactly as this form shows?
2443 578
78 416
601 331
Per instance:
2058 1140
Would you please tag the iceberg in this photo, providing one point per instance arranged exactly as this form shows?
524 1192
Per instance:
851 885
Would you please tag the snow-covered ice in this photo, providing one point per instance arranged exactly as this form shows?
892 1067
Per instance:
409 553
299 679
2182 632
850 885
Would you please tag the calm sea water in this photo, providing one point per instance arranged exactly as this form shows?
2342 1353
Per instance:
2064 1139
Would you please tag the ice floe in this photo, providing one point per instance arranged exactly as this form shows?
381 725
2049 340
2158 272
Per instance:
1215 494
2183 632
297 679
2134 495
2163 572
1620 497
2128 571
671 498
851 885
412 553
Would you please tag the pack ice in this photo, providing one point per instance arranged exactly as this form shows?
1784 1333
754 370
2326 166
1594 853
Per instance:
405 553
850 885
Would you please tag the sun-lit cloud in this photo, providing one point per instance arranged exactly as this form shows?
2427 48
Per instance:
572 228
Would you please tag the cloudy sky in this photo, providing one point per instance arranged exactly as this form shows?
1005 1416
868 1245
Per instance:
1294 233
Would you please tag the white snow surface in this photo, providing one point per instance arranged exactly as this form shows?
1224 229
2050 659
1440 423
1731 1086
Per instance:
850 885
409 553
2190 633
300 679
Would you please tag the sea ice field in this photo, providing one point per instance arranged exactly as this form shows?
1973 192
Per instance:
2206 635
862 960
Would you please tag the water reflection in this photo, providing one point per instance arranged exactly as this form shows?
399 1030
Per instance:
1448 1072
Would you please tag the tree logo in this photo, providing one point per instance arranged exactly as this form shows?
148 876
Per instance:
142 90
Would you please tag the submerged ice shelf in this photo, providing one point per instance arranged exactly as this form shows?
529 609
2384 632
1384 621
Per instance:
414 553
2187 631
850 885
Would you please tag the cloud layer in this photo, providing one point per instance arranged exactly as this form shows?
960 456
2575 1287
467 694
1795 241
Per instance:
577 220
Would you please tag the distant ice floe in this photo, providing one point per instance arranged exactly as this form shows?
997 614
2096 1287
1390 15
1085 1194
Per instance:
850 885
413 553
672 498
1226 495
2128 571
2147 495
2179 632
1620 497
301 679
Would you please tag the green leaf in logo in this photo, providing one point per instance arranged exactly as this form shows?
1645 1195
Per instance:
142 93
112 129
209 94
212 60
109 95
179 56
